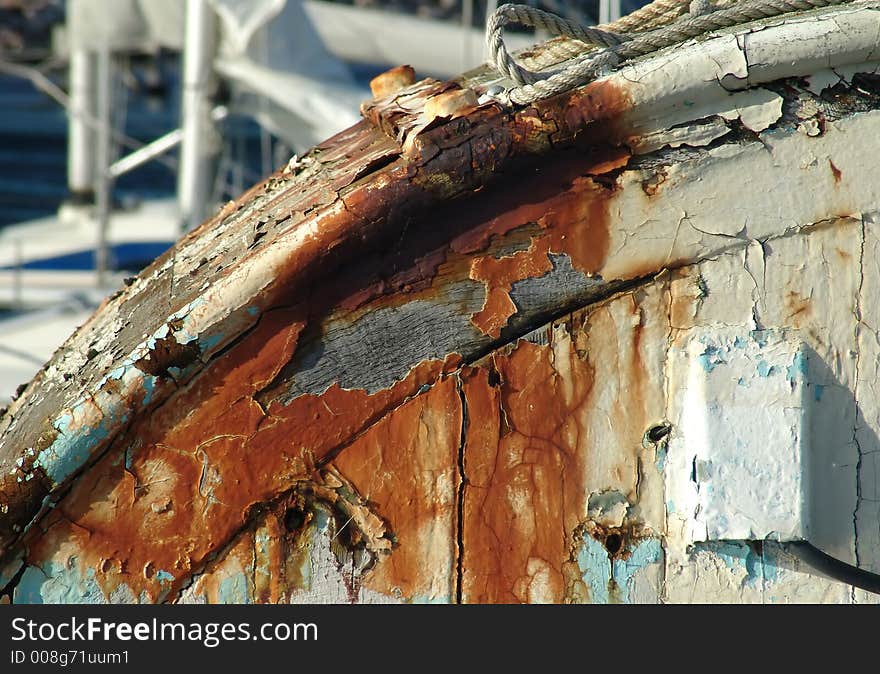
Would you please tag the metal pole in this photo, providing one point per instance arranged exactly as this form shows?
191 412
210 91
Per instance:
103 182
199 144
147 153
467 21
609 10
81 136
17 263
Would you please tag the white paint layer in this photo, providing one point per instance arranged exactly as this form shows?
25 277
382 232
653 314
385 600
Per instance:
744 435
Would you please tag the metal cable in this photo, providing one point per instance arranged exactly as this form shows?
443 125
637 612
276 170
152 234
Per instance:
834 568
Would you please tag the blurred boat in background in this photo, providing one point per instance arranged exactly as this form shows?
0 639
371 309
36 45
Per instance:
125 123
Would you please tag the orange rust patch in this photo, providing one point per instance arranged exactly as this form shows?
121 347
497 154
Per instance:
181 481
798 307
406 468
576 223
835 172
525 490
609 162
499 274
392 81
651 186
496 311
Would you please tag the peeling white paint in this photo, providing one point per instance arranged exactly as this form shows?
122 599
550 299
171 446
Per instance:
737 466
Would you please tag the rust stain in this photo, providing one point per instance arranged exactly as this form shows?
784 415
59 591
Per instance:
575 223
538 423
685 298
524 491
499 274
225 449
835 172
405 467
392 81
798 307
651 185
186 477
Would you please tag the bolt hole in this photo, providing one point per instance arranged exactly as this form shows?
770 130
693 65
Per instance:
294 519
656 433
613 544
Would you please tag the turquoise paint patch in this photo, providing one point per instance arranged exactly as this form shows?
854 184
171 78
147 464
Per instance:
798 368
660 459
736 555
71 449
647 552
58 584
183 313
209 342
711 358
149 388
183 374
262 545
769 570
740 382
760 337
739 343
28 589
765 369
253 311
670 506
818 392
595 568
9 571
163 576
234 590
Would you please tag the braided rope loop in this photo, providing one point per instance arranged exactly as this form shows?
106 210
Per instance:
531 17
616 47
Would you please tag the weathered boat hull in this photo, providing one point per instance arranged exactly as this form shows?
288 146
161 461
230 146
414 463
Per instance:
439 358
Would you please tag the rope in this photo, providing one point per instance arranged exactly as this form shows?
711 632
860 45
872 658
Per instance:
654 15
617 48
525 15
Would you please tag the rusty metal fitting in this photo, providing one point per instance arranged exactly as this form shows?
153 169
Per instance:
449 103
392 81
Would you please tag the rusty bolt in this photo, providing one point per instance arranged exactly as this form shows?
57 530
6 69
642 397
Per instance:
449 103
392 81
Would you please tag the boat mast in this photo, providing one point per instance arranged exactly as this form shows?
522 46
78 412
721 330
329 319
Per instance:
81 135
199 144
609 10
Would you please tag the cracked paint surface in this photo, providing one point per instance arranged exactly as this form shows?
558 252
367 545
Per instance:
425 362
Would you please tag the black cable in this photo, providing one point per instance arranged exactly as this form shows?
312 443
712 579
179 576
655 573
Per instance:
834 568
